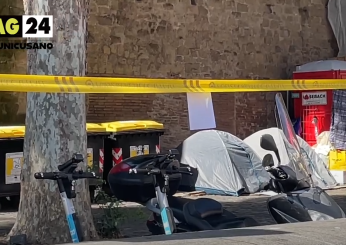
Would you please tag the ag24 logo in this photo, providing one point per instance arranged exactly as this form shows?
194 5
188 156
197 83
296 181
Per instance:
24 26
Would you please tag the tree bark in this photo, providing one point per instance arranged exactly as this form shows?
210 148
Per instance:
55 128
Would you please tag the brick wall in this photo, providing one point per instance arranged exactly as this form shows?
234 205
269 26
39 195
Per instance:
201 39
191 39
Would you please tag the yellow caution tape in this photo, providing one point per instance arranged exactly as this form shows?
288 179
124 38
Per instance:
65 84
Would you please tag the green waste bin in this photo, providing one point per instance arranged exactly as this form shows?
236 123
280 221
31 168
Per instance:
128 139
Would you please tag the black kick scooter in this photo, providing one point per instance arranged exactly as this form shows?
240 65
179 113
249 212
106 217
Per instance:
66 178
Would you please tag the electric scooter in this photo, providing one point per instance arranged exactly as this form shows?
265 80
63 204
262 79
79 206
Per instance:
66 179
298 199
152 176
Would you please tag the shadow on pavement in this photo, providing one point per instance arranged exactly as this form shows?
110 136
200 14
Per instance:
134 223
207 234
254 207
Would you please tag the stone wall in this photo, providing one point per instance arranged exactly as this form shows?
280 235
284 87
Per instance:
12 105
199 39
202 39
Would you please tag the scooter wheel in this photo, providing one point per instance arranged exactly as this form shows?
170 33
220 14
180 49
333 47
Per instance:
154 227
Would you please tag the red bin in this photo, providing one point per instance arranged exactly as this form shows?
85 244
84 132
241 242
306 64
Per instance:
314 108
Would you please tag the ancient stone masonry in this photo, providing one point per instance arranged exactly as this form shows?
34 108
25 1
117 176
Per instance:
201 39
12 105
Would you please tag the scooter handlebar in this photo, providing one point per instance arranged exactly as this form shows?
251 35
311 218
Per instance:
84 175
183 170
76 158
138 171
60 175
48 175
179 172
165 157
276 172
271 170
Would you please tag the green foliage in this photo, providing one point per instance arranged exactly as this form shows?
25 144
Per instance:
107 224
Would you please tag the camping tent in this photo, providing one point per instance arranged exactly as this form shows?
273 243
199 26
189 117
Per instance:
320 173
225 164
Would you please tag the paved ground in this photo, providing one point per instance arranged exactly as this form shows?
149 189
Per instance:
309 233
253 206
135 216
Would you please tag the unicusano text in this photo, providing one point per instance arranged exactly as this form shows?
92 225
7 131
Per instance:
26 45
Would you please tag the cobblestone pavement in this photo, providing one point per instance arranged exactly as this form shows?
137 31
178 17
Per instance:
135 216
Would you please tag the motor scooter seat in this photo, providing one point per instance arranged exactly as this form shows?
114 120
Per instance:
208 214
177 204
202 208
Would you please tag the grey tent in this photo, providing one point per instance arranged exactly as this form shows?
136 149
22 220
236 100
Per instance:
223 164
320 173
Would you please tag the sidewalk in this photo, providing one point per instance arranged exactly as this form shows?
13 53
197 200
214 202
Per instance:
134 225
308 233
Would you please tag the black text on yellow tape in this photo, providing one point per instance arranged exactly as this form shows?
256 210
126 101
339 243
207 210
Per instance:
66 84
299 85
193 85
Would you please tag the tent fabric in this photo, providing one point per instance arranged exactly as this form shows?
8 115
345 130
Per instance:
225 164
337 20
338 125
320 173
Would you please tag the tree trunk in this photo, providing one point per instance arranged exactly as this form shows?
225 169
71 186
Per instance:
55 128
